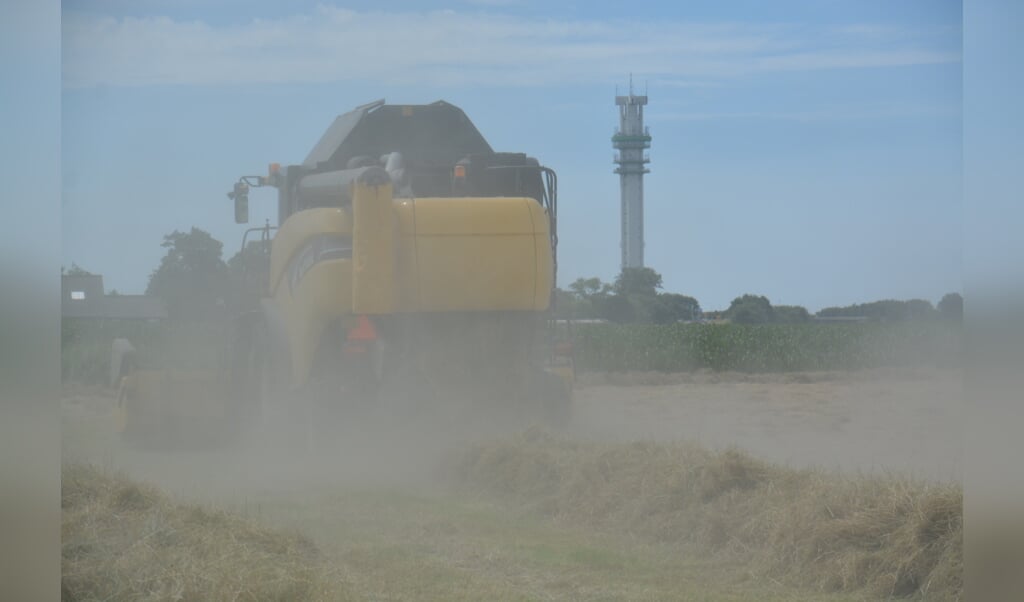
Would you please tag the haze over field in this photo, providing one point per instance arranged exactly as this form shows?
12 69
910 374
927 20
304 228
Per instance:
807 152
847 158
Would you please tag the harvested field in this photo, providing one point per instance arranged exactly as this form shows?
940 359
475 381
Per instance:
395 544
617 508
908 421
122 540
890 536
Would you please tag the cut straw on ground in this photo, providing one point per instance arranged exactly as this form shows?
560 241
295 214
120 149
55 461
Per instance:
889 536
877 537
125 541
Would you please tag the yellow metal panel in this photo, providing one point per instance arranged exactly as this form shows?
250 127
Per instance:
323 294
409 255
476 273
405 216
406 292
473 215
545 262
298 229
373 242
472 254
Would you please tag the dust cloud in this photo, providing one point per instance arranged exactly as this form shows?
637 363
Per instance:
877 422
377 448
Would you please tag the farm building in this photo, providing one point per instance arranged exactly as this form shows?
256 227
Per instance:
82 297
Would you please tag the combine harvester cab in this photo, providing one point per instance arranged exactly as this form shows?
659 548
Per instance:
411 262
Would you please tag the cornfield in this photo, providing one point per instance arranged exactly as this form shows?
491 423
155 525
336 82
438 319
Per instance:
765 348
86 347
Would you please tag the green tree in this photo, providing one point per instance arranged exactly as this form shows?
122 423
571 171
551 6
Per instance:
638 281
588 288
75 270
885 310
791 314
569 306
673 307
565 304
248 274
615 308
919 309
750 309
633 298
951 307
192 278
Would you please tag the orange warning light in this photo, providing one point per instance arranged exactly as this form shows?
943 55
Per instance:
364 331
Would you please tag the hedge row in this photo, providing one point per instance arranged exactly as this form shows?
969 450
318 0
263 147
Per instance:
764 348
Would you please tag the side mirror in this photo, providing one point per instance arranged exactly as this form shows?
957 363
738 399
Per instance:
241 209
240 194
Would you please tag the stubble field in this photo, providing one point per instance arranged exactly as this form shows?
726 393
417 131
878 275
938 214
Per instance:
842 486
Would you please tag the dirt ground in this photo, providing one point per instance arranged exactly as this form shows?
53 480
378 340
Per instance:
909 422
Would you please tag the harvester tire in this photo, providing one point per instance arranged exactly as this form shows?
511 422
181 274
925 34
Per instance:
342 392
279 409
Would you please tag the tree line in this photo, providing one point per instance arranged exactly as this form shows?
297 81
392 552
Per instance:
196 283
635 297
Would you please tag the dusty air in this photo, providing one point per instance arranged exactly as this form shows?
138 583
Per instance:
466 349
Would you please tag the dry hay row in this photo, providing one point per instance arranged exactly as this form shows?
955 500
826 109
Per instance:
887 536
126 541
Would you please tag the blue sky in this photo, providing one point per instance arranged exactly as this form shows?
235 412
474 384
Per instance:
807 151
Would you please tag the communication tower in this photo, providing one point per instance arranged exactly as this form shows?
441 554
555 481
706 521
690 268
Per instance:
631 140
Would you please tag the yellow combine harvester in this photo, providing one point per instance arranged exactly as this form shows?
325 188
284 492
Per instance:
411 263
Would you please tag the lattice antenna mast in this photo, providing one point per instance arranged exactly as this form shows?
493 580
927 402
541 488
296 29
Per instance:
631 140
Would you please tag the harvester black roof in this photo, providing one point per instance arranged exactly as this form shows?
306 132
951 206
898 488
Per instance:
431 135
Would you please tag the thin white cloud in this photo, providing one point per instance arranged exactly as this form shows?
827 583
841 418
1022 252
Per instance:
901 111
448 48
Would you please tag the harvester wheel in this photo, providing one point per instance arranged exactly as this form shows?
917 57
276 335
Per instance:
342 392
280 409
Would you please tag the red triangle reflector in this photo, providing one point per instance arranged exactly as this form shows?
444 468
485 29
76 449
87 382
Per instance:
364 331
